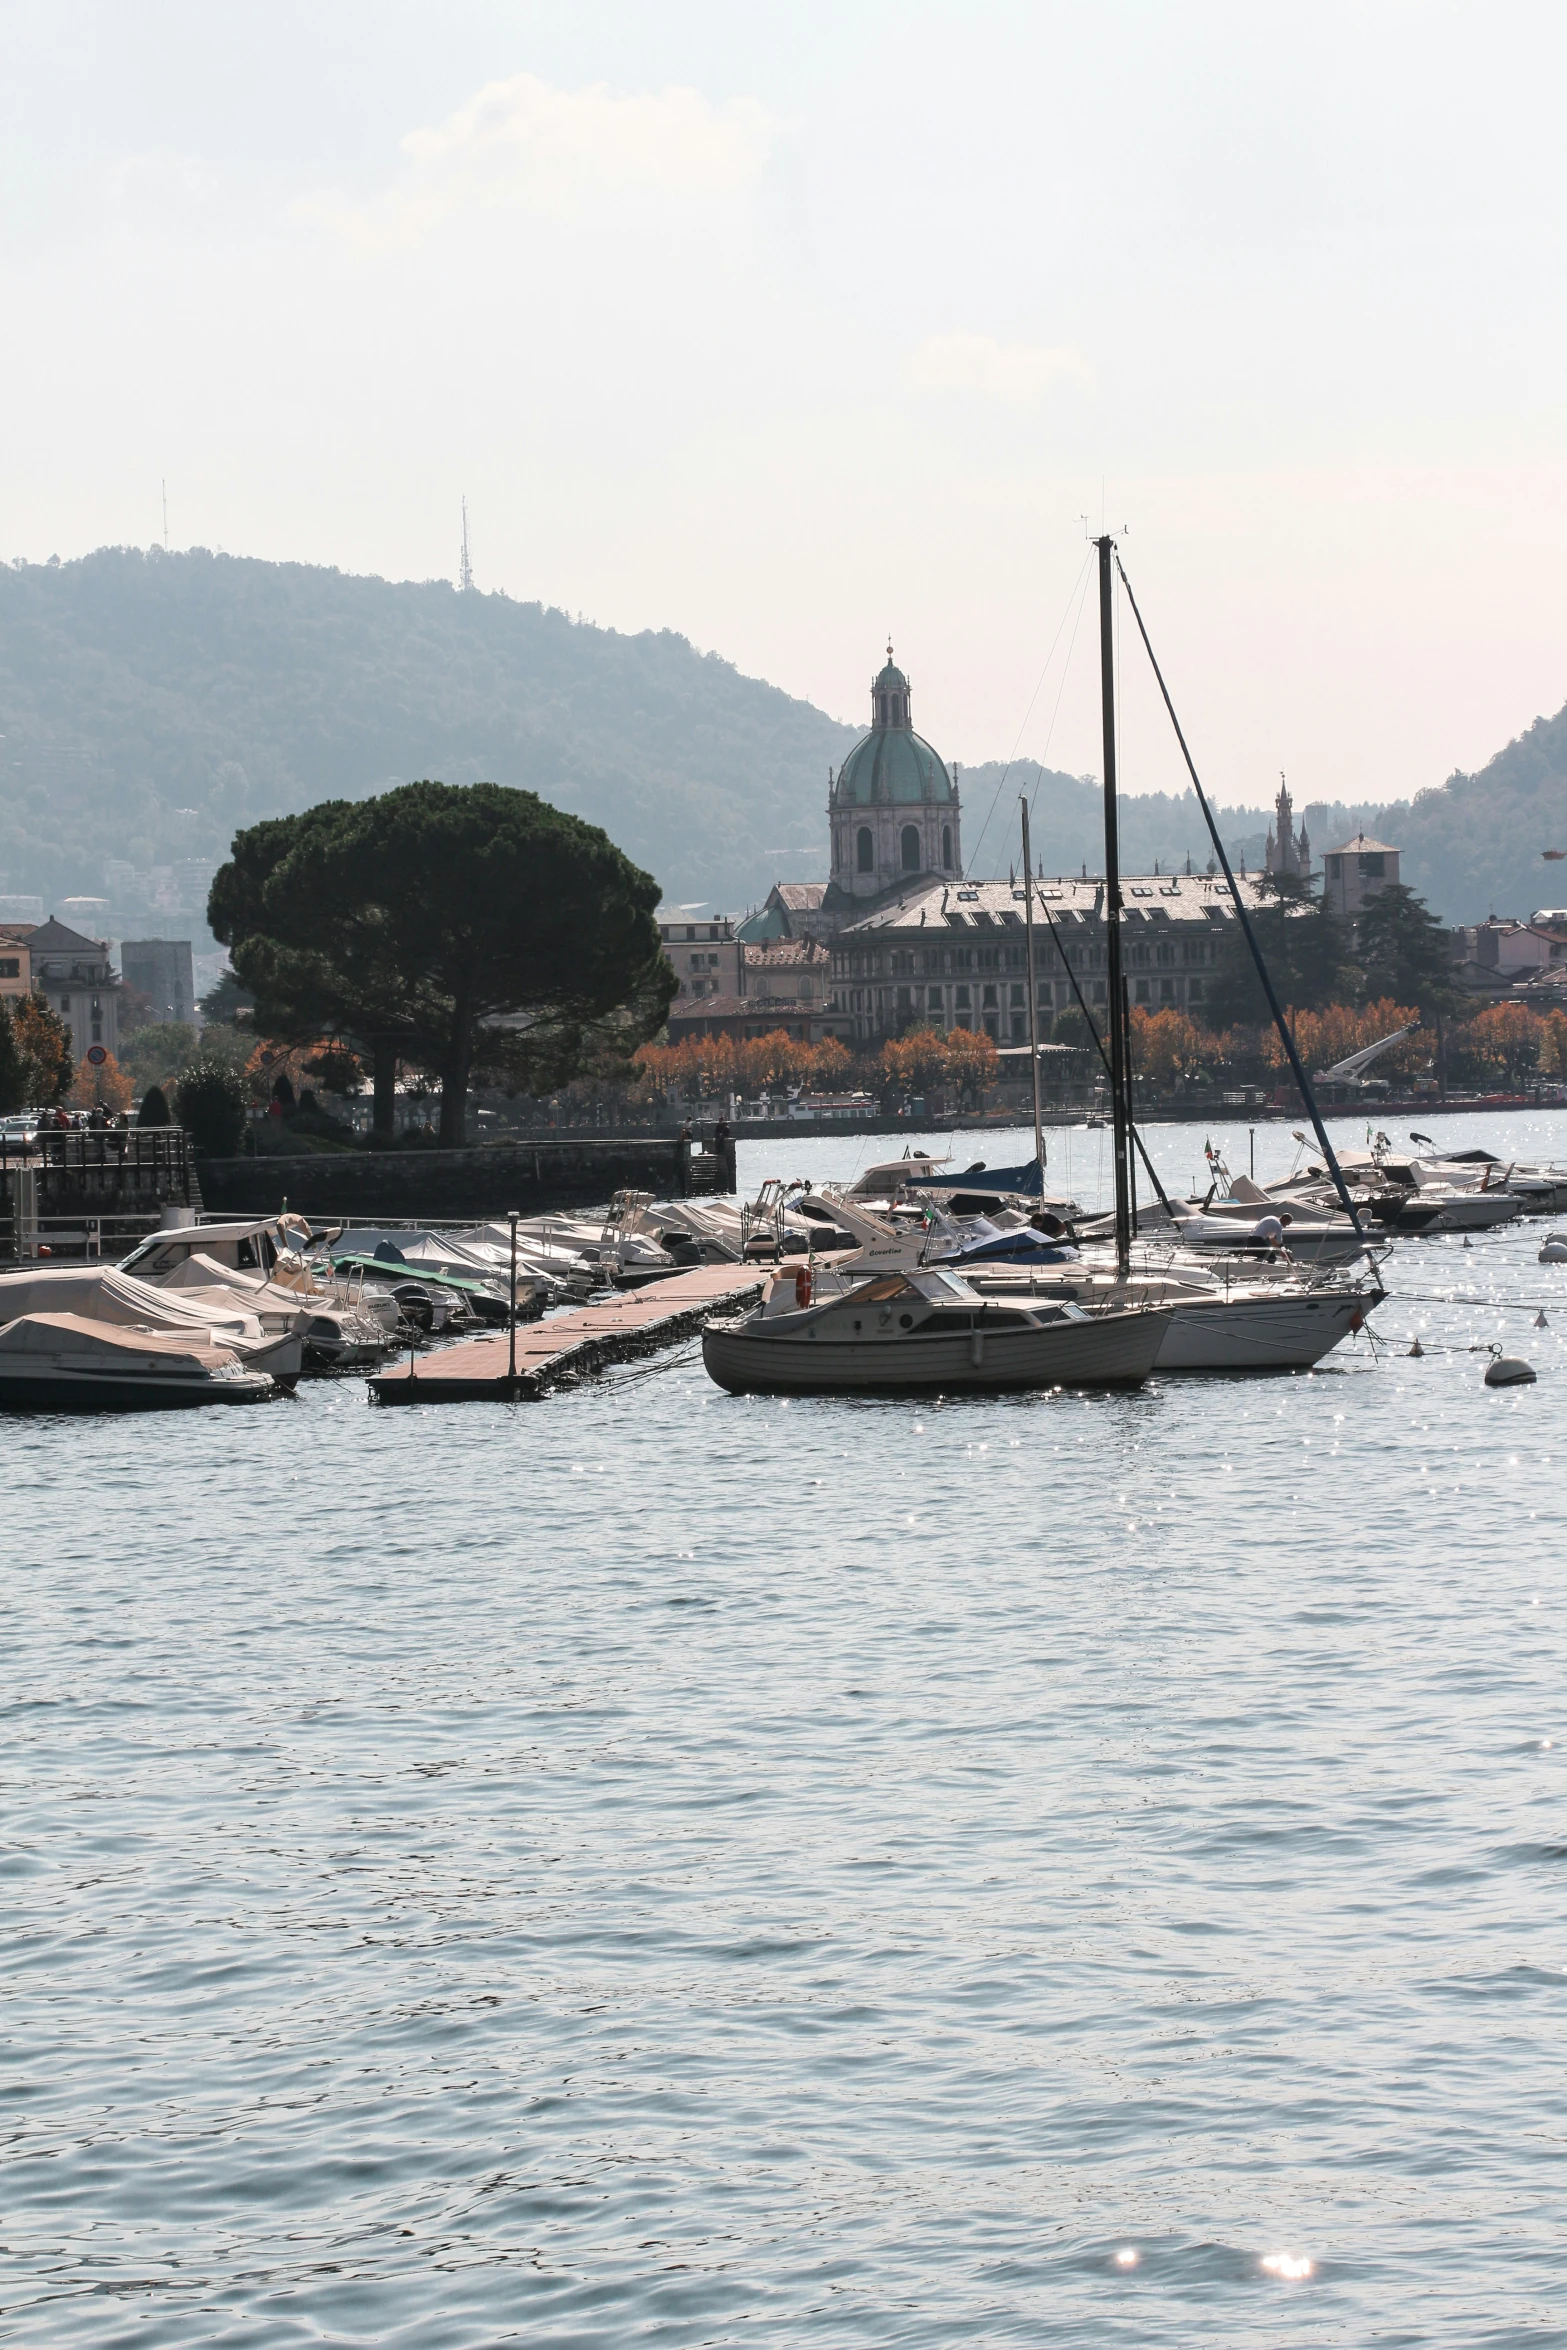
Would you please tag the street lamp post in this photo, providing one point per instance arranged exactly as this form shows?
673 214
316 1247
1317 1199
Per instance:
511 1335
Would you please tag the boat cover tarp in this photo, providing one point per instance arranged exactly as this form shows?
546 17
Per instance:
1012 1248
104 1294
1029 1179
116 1346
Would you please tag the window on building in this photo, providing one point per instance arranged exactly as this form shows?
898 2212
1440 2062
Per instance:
960 997
690 930
1167 991
911 848
864 850
992 1026
946 847
1098 987
10 967
1194 991
990 996
1144 990
933 998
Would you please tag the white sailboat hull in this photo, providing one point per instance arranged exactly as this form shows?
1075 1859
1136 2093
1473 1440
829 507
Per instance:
1289 1332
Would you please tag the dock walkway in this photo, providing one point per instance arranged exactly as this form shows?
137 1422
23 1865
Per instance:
569 1346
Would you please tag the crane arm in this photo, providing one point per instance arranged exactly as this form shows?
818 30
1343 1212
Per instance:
1353 1066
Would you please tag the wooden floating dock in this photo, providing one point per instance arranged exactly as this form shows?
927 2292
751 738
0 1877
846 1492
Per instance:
569 1346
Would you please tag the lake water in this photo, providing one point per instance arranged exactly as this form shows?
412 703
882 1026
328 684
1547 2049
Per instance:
655 1868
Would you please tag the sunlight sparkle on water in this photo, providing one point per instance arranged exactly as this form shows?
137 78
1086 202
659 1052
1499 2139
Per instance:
1127 2256
1292 2265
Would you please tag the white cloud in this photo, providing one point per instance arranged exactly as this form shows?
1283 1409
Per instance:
1018 372
521 144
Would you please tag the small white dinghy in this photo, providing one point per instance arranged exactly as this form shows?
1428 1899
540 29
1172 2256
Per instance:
66 1363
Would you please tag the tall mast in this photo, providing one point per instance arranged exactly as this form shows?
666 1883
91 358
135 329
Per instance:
1033 1012
1119 1107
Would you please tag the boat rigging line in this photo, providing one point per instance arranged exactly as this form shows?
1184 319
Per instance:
1033 996
1286 1039
1099 1047
1119 1021
1080 583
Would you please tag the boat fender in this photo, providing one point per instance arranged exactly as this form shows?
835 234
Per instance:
1509 1371
1357 1320
802 1286
1554 1250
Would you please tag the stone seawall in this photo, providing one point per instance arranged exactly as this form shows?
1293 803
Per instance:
400 1185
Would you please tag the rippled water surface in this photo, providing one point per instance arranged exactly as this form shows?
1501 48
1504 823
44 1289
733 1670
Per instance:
657 1868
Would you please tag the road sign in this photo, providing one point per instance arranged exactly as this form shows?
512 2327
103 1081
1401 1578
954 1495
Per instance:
97 1055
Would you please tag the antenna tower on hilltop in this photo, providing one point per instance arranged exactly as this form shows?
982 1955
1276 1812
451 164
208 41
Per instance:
465 575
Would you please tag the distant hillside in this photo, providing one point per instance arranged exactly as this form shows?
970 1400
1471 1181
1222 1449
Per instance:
1473 844
152 703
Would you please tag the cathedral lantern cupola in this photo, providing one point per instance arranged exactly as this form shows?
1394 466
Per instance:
893 809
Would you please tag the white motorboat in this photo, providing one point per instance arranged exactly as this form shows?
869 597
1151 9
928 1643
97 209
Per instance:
258 1266
925 1333
1464 1199
1542 1189
1243 1229
66 1362
106 1293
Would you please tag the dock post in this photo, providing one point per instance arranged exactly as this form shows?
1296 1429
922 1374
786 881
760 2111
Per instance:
511 1349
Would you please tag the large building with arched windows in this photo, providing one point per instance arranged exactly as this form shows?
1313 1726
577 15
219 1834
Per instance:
914 941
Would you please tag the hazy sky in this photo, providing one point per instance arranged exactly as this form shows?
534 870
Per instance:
787 327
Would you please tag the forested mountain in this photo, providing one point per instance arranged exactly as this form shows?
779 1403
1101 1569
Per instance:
151 703
1474 844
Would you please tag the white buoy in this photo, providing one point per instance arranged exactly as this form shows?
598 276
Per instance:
1553 1249
1509 1371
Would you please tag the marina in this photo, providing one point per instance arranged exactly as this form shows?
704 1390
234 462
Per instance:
567 1872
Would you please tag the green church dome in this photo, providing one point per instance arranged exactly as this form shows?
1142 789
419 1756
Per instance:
891 764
